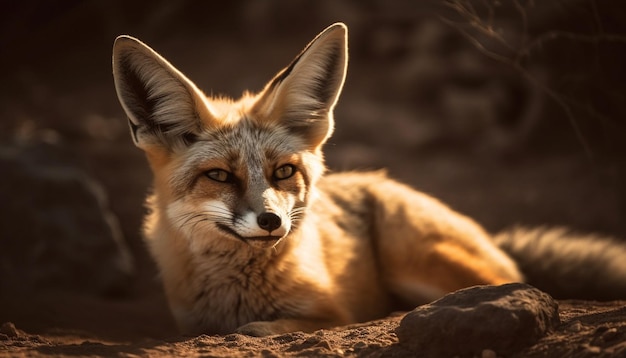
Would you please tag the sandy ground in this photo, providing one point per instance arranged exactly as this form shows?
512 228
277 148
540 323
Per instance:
588 329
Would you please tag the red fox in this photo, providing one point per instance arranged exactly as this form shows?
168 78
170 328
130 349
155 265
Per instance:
250 236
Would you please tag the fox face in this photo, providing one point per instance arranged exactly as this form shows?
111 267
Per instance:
249 190
233 171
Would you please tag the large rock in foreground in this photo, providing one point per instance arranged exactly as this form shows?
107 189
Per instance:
502 319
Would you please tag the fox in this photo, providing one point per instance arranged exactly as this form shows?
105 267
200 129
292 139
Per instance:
251 234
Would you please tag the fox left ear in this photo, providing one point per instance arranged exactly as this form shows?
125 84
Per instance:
303 95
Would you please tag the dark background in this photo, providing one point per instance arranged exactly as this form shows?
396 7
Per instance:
511 111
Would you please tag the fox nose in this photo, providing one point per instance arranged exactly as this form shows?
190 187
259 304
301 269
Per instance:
268 221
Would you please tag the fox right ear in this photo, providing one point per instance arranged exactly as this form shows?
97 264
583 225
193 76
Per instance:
164 107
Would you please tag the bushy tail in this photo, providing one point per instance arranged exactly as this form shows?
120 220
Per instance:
566 264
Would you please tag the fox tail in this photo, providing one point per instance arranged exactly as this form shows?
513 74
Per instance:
566 264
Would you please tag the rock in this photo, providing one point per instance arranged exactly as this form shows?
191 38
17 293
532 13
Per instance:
502 319
9 330
56 231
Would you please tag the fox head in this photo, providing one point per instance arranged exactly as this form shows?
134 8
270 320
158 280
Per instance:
232 170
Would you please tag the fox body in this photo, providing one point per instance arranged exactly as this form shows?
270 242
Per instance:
249 234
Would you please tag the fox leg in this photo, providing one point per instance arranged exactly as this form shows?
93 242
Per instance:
323 313
285 325
426 250
441 269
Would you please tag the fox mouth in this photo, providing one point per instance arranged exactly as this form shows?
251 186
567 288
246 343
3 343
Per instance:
263 238
231 232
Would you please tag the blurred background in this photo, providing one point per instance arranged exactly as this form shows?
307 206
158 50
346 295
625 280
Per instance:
510 111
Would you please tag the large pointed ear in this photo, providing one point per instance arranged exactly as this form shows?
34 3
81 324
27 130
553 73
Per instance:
302 96
164 108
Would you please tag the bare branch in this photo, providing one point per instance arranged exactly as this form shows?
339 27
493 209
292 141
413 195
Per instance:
474 41
476 22
522 13
465 9
574 37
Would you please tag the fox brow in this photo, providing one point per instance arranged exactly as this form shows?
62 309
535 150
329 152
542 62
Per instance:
235 145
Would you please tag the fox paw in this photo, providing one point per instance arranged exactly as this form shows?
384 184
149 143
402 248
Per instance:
257 329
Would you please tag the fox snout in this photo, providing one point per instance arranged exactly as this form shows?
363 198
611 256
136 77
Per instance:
269 221
263 230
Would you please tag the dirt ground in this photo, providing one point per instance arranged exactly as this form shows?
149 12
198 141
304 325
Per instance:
588 329
543 144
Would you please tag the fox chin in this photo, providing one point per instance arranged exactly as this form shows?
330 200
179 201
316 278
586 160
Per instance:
250 236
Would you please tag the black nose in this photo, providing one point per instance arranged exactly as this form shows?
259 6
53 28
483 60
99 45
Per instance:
268 221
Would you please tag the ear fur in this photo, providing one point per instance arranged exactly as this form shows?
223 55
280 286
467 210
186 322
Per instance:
164 108
303 95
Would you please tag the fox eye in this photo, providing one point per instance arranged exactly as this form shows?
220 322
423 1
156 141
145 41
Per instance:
220 175
284 172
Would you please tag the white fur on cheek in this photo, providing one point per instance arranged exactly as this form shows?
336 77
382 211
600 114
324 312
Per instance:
195 222
175 212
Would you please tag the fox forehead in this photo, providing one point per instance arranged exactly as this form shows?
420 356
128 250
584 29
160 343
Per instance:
245 141
237 132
